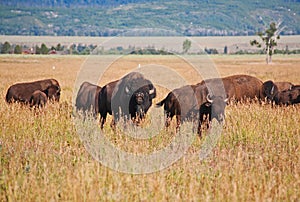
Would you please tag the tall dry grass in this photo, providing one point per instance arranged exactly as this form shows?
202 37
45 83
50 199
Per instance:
43 159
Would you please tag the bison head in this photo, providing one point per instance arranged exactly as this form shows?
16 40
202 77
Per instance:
269 90
216 106
132 96
141 100
53 92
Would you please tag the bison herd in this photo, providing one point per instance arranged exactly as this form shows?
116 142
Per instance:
130 97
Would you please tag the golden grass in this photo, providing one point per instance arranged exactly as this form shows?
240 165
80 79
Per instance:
43 159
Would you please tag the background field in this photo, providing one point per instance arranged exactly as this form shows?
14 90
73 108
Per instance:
42 157
233 43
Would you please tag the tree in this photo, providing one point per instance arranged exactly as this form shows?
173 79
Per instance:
59 47
268 38
44 49
186 45
5 47
18 49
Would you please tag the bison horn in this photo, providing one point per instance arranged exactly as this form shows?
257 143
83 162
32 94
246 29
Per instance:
272 90
151 91
127 90
208 98
226 99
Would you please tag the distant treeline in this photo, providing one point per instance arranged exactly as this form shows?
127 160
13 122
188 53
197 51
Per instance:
146 18
82 49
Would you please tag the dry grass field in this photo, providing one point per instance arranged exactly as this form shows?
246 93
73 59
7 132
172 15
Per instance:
42 158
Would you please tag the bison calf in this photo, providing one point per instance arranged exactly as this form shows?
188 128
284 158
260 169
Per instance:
38 99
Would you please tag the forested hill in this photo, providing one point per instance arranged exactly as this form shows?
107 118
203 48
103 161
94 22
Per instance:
146 17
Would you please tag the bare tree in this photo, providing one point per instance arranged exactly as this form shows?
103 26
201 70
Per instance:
269 38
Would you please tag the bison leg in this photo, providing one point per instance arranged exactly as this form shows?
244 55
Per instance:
168 120
199 128
201 119
178 122
113 124
102 119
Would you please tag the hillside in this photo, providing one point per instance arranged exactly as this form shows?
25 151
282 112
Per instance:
144 18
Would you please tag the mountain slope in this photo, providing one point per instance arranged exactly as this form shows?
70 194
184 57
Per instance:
141 17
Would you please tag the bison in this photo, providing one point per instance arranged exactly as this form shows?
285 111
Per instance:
38 99
188 101
87 98
180 102
22 92
288 97
270 89
130 97
240 87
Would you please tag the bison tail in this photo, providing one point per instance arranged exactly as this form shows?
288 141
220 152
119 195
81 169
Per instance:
161 103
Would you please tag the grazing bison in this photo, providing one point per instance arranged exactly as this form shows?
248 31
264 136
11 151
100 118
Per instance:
87 97
213 106
129 97
270 88
21 92
288 97
284 85
186 102
38 99
182 103
239 87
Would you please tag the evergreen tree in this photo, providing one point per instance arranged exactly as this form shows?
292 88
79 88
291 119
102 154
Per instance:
44 49
5 49
18 49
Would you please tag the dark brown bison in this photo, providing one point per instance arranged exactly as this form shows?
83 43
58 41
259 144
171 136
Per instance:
288 97
21 92
182 103
283 85
87 98
38 99
270 88
187 102
240 87
212 105
130 98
